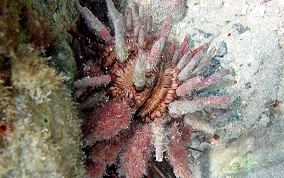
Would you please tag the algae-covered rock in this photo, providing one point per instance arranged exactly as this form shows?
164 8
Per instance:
43 135
40 133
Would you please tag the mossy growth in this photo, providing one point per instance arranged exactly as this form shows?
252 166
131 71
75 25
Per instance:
40 133
43 117
43 24
44 135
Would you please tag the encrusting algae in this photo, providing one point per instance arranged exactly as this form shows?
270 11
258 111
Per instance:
43 136
40 132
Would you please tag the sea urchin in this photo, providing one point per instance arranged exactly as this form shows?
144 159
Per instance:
149 85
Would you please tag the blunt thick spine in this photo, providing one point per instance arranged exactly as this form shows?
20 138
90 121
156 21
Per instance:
93 81
93 22
158 138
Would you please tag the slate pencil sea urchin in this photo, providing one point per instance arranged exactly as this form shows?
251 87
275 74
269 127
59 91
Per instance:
149 85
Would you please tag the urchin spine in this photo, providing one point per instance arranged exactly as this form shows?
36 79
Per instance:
158 138
139 78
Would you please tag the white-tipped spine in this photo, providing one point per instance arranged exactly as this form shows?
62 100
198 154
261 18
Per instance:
139 77
158 138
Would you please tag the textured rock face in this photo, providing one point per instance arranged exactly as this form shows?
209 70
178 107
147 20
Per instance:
160 9
253 34
39 129
42 126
